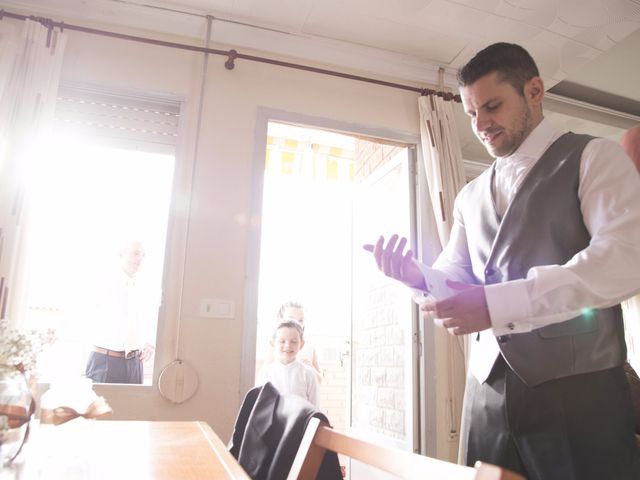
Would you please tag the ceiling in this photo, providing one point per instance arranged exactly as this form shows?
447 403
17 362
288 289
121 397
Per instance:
586 49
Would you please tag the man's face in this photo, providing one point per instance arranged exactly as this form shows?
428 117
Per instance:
287 344
501 118
131 256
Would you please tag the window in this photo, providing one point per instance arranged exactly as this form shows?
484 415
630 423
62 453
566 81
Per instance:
104 177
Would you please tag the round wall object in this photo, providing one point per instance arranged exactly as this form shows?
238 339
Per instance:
178 381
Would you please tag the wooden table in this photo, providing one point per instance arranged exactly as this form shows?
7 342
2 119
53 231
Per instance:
101 449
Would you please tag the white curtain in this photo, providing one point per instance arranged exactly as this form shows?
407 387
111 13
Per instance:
30 64
445 177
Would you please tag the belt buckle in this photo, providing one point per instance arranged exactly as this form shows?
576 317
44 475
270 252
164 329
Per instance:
131 354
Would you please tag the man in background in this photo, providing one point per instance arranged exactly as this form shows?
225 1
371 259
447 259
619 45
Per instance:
124 318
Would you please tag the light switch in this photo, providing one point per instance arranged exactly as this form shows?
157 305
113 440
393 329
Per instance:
217 308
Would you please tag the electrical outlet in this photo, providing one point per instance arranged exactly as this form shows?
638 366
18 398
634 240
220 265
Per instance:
217 308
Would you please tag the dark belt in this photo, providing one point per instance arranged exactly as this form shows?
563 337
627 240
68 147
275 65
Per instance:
116 353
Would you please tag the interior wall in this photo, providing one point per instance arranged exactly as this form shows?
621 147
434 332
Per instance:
220 196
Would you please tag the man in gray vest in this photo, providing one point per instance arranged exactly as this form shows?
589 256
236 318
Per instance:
545 245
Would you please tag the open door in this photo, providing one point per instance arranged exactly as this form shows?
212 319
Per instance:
325 193
384 400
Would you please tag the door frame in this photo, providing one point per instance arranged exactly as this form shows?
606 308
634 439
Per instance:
424 406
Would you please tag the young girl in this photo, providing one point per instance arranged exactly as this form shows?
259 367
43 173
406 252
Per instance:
295 311
286 373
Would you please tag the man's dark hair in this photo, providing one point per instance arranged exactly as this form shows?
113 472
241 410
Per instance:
512 63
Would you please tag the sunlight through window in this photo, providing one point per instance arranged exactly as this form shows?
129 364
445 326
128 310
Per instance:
85 200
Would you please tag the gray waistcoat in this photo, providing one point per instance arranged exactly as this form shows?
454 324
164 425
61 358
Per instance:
542 226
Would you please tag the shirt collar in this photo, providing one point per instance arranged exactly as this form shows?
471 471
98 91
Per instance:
286 366
126 279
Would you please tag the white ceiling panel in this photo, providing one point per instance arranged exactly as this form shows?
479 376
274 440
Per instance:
397 10
352 25
540 13
556 56
616 71
447 16
202 5
603 36
595 13
484 5
620 31
289 15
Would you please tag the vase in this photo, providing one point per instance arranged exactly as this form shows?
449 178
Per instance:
16 409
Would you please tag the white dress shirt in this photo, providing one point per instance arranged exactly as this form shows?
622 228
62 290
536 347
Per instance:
124 313
293 378
601 275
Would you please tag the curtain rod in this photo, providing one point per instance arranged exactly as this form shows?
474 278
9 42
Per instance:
231 55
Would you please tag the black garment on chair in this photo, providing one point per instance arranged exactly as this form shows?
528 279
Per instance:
268 432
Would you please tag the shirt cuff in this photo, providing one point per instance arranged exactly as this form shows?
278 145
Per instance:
420 297
509 307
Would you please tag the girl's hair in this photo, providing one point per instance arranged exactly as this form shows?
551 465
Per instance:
289 304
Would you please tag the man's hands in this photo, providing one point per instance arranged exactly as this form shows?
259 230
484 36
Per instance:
396 264
464 312
147 352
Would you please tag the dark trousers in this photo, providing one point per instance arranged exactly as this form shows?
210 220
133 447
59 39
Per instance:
575 428
103 368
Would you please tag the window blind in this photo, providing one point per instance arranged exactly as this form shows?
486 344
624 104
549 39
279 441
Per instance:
117 118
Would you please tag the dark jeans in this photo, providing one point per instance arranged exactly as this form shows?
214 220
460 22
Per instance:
103 368
575 428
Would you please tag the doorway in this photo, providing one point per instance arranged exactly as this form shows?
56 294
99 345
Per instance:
324 195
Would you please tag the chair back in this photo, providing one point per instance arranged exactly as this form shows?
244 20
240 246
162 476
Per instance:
320 437
268 431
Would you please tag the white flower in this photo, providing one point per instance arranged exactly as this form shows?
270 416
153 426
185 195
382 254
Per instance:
23 347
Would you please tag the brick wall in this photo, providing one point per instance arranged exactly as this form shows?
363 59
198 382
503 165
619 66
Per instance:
370 156
379 367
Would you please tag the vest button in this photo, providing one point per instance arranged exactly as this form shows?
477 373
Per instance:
488 272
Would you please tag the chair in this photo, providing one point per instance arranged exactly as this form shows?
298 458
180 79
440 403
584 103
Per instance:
320 437
268 431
